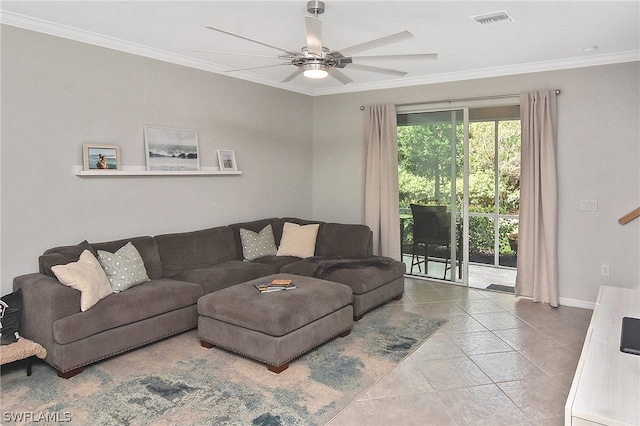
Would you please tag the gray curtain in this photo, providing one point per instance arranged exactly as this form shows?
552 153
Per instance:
381 208
537 272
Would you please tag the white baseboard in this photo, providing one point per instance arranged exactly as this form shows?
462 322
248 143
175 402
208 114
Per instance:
577 303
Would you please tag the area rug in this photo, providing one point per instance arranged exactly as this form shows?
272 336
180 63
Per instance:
177 382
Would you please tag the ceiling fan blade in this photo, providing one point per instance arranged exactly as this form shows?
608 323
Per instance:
314 35
230 53
252 40
339 76
377 69
294 75
409 57
255 68
379 42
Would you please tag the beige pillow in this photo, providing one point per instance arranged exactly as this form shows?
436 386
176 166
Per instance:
87 276
298 240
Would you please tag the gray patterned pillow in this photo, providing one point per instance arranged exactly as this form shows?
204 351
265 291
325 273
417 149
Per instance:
124 268
258 244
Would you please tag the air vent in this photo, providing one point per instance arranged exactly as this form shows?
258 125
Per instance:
493 18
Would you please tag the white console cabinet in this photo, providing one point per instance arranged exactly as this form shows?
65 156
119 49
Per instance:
606 386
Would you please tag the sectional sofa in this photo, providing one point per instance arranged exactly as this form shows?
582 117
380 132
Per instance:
181 268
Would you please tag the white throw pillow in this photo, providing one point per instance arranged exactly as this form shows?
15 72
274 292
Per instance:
124 268
298 240
87 276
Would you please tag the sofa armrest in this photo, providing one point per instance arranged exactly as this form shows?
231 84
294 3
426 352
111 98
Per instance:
44 301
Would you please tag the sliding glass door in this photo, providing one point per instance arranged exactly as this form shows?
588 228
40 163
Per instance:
431 173
463 166
494 194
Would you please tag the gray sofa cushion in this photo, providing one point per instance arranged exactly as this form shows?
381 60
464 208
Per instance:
127 307
225 274
302 267
299 221
115 341
346 240
184 251
366 279
339 239
278 261
61 256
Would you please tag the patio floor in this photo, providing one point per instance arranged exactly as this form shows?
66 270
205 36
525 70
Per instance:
480 276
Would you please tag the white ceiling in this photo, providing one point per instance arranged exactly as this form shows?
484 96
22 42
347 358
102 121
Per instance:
546 35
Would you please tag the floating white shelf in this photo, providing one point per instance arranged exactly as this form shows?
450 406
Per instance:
142 171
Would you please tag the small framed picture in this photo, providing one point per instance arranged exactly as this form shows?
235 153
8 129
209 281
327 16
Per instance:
171 149
227 161
100 157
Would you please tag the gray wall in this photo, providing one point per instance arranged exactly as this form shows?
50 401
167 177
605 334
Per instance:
300 156
598 159
58 94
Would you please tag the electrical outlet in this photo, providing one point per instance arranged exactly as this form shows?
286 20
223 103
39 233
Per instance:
589 205
604 270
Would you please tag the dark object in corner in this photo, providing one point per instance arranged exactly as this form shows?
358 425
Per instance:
10 315
630 339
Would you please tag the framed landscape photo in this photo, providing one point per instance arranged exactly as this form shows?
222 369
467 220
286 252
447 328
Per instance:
227 161
171 149
100 157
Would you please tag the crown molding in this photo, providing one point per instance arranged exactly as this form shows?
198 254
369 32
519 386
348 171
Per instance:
58 30
83 36
596 60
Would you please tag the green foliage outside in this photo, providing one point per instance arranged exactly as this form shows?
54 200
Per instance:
424 174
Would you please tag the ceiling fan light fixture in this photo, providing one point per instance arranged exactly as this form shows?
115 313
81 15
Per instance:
315 70
316 61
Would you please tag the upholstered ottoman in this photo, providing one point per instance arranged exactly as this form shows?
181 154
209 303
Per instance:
275 327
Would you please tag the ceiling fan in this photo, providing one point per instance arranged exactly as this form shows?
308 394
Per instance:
317 61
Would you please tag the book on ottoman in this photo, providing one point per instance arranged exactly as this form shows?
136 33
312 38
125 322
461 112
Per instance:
275 285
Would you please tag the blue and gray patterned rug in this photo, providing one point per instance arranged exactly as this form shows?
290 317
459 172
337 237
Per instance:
177 382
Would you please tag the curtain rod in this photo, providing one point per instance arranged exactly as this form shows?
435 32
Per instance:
477 98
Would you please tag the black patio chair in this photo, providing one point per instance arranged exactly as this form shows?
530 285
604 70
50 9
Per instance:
431 227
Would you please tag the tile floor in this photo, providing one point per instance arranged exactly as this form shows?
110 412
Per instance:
500 360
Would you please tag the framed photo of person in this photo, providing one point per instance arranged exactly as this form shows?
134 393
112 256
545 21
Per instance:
100 157
227 161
